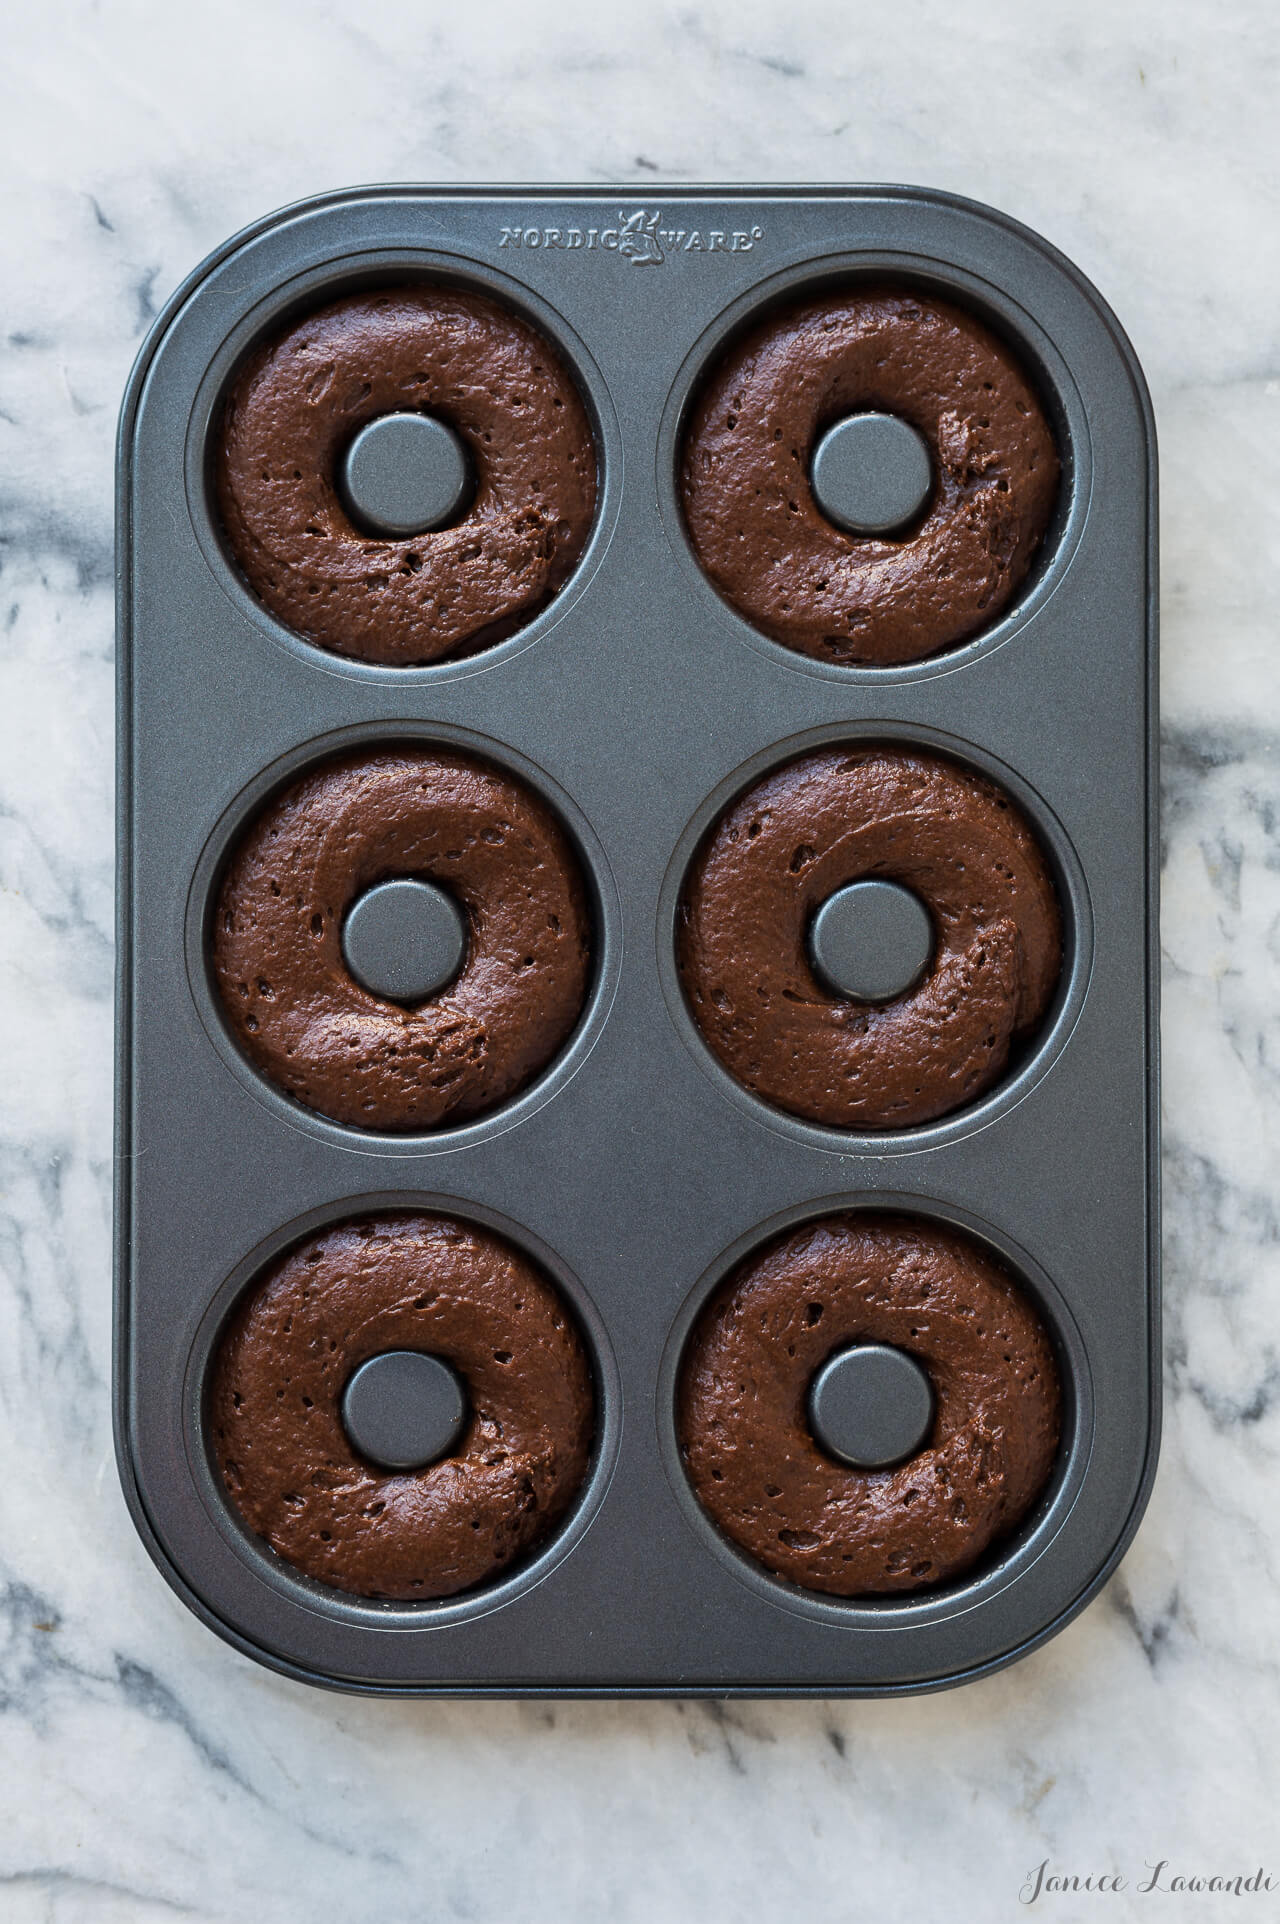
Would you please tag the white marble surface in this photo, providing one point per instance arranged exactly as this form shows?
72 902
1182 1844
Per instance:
147 1771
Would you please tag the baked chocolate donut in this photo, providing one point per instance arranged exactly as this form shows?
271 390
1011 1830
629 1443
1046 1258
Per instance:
762 539
795 837
743 1422
301 1016
295 407
387 1283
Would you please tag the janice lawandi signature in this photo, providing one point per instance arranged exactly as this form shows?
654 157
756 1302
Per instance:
1159 1877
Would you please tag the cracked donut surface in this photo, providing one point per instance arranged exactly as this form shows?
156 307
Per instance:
849 814
760 535
300 1015
402 1282
862 1278
297 403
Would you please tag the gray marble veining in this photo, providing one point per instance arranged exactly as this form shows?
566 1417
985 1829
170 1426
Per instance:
148 1772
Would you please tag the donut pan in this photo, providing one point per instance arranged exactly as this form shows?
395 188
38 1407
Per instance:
634 1170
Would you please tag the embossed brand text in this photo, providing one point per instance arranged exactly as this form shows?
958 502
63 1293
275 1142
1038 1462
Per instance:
638 237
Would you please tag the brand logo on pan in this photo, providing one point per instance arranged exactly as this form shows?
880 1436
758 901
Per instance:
639 237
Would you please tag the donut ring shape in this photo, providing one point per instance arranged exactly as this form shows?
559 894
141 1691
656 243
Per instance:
743 1425
759 534
793 839
378 1283
298 402
304 1020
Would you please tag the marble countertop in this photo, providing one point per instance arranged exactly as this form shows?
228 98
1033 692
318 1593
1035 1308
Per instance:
146 1770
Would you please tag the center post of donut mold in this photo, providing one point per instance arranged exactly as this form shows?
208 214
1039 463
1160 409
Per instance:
405 474
871 473
404 1409
404 940
871 1406
871 941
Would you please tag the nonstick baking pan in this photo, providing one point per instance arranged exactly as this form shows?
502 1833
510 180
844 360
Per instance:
634 1170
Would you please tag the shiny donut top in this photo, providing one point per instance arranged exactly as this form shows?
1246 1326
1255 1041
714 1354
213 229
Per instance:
295 407
750 510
